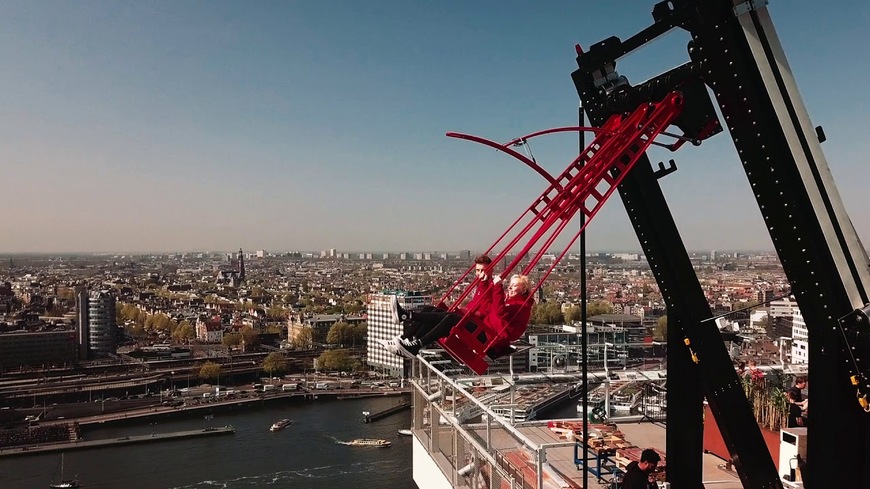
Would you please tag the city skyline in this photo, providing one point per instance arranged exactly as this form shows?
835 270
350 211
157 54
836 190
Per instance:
163 127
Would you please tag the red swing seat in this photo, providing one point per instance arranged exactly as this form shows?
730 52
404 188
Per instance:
584 186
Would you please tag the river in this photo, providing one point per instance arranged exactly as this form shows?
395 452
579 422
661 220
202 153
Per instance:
305 455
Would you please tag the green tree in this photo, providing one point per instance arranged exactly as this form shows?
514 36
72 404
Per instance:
275 362
596 308
339 333
251 338
303 340
338 360
661 331
277 312
183 331
210 371
231 339
572 314
547 313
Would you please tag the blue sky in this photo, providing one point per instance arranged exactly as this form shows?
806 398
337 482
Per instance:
305 125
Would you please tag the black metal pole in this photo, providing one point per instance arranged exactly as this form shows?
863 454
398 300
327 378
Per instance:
583 346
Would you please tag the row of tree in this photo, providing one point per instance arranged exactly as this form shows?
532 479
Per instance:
274 363
278 363
552 313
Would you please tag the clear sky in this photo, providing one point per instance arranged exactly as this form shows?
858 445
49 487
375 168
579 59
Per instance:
305 125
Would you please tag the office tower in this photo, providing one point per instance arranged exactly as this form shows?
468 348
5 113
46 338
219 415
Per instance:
82 304
383 327
102 330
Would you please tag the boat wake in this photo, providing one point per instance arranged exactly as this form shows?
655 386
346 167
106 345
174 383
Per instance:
282 478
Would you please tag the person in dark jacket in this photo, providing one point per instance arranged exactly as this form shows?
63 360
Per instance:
504 317
796 403
638 474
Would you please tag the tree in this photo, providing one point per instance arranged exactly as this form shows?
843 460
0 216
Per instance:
277 312
183 331
337 360
661 331
339 333
210 371
231 339
303 340
596 308
275 362
250 336
572 314
547 313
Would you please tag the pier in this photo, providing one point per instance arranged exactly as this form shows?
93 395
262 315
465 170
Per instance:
371 417
106 442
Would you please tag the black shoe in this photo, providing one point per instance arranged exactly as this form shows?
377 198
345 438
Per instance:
409 349
399 314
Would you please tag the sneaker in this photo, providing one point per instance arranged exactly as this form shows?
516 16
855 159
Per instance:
389 346
410 350
398 313
399 339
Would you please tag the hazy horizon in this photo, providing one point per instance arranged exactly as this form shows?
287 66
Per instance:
172 126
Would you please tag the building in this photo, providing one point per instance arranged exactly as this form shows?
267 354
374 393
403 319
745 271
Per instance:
383 327
210 330
800 349
102 332
317 324
83 322
37 349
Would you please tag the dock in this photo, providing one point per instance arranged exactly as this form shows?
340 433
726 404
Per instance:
108 442
371 417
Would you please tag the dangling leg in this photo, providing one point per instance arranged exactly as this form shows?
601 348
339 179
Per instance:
422 321
440 330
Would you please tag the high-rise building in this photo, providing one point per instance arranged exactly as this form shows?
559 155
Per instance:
241 266
800 348
383 327
83 322
102 329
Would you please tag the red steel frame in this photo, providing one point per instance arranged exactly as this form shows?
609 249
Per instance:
583 186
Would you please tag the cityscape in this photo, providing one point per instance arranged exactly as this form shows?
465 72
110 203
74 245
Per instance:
258 245
96 338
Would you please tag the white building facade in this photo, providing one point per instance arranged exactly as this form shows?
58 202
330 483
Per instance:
800 349
382 326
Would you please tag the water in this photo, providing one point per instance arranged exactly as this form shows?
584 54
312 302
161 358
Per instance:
306 454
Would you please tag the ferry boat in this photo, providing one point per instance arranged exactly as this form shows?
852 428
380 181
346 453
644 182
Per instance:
369 442
280 425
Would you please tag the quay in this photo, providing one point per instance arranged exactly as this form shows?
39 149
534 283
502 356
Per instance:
371 417
106 442
218 405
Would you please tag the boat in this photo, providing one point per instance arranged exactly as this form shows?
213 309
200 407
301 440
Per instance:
64 483
406 432
280 425
369 442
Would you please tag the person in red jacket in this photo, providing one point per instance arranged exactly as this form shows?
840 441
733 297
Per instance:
504 317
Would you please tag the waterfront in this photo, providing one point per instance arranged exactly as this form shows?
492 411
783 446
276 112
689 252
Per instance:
306 454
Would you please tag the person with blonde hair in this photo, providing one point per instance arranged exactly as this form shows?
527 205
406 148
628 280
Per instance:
503 315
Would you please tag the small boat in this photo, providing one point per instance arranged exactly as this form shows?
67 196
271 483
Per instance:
369 442
280 425
64 483
406 432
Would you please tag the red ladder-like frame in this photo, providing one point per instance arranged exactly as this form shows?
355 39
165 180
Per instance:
584 186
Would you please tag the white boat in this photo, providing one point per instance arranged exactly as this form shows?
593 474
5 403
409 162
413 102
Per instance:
369 442
280 425
64 483
406 432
